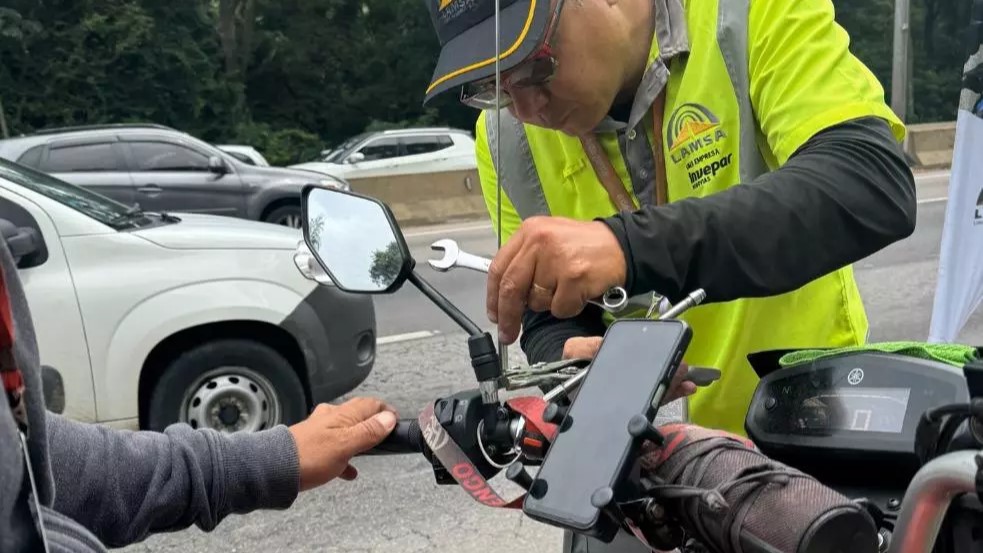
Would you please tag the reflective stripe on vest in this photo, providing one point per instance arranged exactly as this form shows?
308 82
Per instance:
518 176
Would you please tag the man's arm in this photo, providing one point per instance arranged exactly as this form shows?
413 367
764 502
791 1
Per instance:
543 335
842 192
125 485
846 194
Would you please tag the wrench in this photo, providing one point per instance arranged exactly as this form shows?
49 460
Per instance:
614 299
454 257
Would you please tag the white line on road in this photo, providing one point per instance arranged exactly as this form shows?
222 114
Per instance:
449 230
406 337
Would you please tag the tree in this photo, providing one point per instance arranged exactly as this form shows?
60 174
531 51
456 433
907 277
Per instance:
314 231
386 264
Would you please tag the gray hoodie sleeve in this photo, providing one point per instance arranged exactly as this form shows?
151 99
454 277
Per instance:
124 485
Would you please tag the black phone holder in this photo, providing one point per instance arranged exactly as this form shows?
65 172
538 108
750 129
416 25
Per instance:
594 456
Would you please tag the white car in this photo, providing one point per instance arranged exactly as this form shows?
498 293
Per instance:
245 154
398 152
151 319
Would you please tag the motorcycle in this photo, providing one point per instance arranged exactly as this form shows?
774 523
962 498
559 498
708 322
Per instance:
855 452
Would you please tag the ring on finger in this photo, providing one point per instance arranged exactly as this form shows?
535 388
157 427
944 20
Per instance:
540 297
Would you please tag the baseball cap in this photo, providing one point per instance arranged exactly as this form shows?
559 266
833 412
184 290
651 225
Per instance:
466 31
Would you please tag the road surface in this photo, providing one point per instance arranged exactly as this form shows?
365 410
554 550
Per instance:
394 507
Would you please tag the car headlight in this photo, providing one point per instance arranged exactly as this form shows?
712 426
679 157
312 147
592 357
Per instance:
308 265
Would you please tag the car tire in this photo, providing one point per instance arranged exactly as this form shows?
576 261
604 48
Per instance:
228 385
286 215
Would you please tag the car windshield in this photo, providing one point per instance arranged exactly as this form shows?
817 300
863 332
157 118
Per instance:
100 208
341 152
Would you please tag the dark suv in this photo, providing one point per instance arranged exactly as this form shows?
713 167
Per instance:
163 169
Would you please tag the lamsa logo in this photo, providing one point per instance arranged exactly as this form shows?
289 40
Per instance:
694 137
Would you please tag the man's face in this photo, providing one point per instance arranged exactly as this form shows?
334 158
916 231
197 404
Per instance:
589 72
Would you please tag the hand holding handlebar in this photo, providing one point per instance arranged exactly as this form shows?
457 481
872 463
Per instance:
333 434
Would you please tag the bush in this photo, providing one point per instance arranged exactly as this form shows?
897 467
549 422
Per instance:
280 147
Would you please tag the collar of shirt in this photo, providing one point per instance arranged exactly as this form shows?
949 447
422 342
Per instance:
670 39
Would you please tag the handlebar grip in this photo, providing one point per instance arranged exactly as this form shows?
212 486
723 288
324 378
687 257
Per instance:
405 438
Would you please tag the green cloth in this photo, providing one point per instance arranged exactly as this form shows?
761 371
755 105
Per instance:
953 354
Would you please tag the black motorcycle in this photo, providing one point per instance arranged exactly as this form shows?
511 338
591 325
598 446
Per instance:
851 452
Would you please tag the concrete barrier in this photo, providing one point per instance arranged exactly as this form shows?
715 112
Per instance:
455 196
930 145
428 198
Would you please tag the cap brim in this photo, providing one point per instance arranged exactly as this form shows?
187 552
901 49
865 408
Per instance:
470 56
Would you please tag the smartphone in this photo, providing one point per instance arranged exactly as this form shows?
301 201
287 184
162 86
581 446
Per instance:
630 374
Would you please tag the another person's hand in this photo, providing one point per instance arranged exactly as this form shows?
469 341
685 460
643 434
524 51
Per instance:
333 434
586 348
551 264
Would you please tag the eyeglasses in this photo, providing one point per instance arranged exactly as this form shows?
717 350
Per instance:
537 70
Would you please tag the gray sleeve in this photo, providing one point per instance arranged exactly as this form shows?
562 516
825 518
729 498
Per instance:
124 485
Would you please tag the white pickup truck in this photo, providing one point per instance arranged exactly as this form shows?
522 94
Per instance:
153 318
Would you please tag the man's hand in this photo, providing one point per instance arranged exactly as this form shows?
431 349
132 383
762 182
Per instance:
333 434
586 348
551 264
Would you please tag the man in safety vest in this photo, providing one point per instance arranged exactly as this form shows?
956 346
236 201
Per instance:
735 146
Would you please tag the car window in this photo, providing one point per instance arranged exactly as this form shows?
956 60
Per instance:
32 157
241 157
164 156
414 145
94 205
81 158
383 148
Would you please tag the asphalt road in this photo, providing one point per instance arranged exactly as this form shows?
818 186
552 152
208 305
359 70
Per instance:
395 507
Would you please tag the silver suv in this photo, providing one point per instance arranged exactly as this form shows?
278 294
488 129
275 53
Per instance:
162 169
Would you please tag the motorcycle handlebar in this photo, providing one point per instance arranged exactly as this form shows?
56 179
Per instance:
405 438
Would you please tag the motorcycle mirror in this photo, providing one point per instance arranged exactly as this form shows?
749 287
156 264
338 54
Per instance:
356 240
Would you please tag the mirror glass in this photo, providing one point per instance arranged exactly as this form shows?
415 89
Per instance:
353 240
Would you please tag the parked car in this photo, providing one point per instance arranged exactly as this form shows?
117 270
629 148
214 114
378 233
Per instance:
152 318
398 152
245 154
162 169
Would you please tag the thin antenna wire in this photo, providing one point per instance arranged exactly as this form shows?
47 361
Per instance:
502 350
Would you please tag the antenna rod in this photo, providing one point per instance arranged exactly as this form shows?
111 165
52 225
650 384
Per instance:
503 354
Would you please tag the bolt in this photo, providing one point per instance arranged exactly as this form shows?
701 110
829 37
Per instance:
893 504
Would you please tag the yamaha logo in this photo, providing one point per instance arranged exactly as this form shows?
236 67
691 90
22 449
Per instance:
855 377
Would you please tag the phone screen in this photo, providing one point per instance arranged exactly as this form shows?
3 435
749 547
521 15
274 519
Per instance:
636 357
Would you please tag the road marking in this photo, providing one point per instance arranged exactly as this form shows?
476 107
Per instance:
450 230
931 200
406 337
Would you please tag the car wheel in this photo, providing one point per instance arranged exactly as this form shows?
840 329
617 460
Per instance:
229 386
287 215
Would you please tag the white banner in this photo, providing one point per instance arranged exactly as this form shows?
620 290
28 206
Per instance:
960 279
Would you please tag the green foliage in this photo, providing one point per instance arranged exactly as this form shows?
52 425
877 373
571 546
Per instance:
278 146
386 264
291 76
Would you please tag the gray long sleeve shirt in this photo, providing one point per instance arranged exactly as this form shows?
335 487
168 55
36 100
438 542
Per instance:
106 487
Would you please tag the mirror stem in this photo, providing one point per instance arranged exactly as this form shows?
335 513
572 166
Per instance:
484 357
445 305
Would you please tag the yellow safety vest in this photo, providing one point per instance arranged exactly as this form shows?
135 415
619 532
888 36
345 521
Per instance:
749 82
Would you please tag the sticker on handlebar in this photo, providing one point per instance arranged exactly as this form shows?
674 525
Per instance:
457 463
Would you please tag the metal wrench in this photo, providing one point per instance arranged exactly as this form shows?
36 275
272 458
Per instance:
614 299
